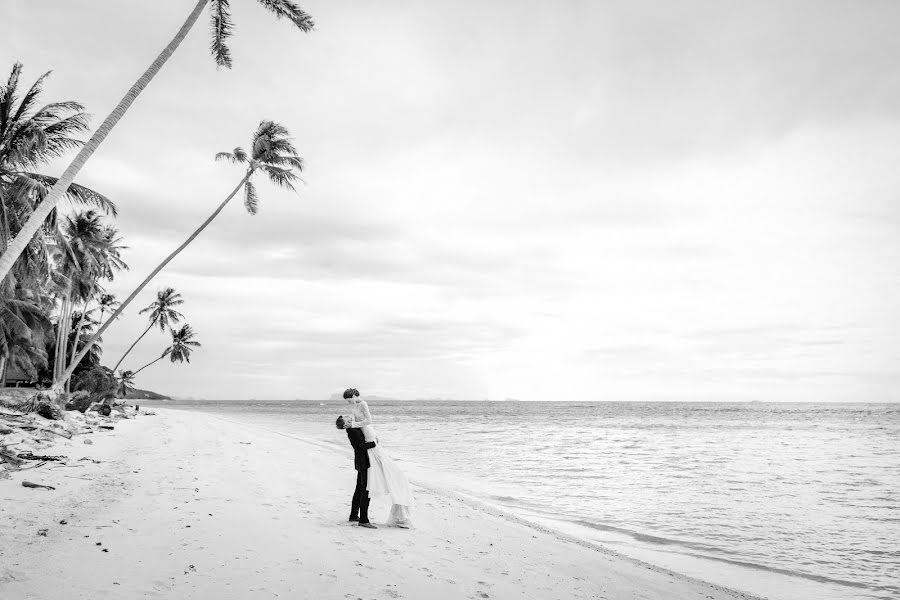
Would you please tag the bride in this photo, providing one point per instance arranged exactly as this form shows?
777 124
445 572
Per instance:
384 477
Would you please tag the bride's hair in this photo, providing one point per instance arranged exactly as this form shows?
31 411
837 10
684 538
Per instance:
340 422
350 393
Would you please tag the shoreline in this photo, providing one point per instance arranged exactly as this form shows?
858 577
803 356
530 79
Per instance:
201 506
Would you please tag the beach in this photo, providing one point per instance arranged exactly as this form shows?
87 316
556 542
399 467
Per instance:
190 505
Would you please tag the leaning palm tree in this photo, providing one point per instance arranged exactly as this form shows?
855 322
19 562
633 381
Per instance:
183 343
162 313
272 153
221 30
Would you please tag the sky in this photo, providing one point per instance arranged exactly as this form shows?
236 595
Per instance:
641 200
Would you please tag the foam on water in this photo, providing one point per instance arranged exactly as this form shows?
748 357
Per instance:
786 500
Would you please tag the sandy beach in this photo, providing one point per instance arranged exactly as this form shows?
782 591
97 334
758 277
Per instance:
187 505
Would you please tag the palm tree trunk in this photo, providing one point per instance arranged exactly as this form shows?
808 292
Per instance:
118 311
78 329
3 371
62 331
131 347
150 363
31 227
77 339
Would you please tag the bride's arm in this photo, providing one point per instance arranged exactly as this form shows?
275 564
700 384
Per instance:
367 416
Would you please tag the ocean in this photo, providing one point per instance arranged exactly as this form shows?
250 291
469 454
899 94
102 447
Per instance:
787 501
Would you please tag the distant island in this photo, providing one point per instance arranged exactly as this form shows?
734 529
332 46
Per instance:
137 394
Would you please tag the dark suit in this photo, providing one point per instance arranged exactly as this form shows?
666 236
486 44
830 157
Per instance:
360 504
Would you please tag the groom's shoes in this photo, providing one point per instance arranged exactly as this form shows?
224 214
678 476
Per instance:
354 519
367 526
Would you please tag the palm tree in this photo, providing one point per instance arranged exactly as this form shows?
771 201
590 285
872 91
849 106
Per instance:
273 153
29 137
88 251
23 325
221 30
108 261
106 302
126 383
162 312
183 344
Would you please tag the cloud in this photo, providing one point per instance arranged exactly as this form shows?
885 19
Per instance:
656 200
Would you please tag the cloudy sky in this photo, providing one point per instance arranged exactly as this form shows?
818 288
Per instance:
569 200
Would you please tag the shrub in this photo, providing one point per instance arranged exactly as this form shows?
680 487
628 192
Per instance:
79 401
99 383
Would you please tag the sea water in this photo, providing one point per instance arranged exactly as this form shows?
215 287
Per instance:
788 501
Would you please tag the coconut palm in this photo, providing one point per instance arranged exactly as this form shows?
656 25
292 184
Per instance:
107 302
183 343
108 261
23 325
221 30
162 313
31 136
87 252
126 383
271 152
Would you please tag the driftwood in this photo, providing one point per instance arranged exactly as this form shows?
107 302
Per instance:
29 456
28 484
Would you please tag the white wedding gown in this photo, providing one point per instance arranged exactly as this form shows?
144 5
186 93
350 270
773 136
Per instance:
385 477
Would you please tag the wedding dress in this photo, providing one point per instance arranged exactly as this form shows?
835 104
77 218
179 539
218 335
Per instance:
385 477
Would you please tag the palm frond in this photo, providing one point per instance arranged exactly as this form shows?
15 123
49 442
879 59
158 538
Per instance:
8 97
30 97
292 161
221 30
235 157
285 9
251 201
76 194
283 178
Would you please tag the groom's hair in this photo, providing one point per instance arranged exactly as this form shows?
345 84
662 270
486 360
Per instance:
350 392
340 422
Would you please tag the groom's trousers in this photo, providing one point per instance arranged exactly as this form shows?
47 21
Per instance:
360 504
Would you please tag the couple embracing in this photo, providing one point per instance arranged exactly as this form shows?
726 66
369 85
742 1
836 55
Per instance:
376 473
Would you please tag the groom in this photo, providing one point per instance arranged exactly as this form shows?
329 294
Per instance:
359 506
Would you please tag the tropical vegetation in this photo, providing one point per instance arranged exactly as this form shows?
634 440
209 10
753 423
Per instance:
273 154
56 260
221 30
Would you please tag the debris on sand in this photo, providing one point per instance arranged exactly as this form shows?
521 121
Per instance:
28 484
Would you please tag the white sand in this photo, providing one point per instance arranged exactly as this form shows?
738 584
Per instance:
196 506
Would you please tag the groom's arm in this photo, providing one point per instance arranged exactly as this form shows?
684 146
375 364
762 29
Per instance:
359 442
